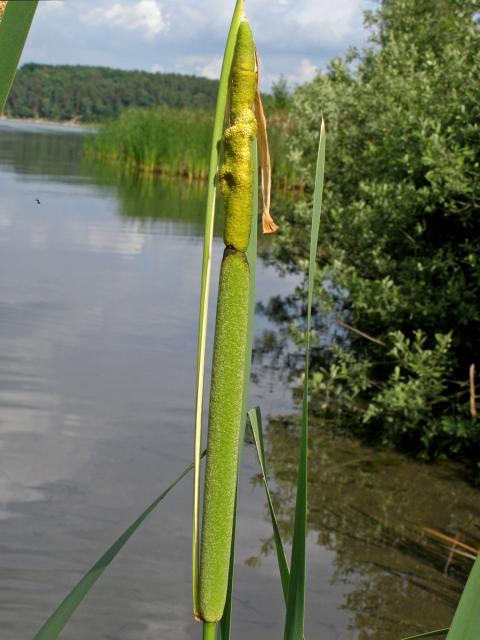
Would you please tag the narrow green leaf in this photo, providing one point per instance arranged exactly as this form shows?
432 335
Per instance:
466 621
294 623
205 286
60 617
225 623
441 633
14 29
257 430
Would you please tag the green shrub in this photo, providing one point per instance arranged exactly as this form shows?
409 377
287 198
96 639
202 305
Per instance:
399 251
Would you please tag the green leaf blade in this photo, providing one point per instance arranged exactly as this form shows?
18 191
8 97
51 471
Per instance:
294 623
14 29
62 614
255 418
466 621
440 633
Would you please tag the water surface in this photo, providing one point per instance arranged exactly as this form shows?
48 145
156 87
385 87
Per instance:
99 277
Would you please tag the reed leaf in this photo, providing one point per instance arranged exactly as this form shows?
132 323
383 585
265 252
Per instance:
255 418
294 623
225 623
62 614
14 29
205 286
441 633
466 621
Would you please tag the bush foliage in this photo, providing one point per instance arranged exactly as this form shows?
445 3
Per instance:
400 246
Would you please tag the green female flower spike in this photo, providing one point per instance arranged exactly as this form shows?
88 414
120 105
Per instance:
236 174
223 432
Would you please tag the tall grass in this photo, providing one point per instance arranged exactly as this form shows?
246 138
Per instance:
168 141
176 142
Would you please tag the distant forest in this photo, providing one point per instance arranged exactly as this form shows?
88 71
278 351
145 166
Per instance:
90 94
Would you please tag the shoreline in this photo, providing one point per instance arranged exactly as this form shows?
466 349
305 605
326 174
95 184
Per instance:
68 124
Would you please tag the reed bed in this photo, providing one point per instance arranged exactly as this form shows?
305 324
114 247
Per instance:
167 141
176 142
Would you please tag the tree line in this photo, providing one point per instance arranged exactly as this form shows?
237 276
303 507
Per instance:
91 94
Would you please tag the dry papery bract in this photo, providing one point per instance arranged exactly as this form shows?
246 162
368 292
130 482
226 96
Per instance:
3 4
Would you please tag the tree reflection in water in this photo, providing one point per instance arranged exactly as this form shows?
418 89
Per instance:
370 506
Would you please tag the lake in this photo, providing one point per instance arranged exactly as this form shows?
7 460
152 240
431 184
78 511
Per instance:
99 293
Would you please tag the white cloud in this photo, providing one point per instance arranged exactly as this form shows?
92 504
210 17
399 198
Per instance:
320 20
125 34
54 5
302 72
210 68
306 70
312 24
144 15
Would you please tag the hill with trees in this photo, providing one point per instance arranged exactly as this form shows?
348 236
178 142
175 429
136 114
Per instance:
91 94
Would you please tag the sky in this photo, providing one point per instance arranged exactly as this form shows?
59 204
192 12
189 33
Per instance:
293 37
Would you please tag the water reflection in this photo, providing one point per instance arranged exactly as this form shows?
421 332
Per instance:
98 319
177 204
98 299
43 150
370 506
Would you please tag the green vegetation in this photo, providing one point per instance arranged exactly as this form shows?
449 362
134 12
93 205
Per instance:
56 622
225 416
91 94
399 258
230 369
169 141
15 21
399 255
231 336
385 499
175 142
217 133
236 173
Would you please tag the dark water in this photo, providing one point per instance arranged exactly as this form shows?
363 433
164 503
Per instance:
98 313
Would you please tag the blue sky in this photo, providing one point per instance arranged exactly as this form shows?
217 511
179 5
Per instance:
294 37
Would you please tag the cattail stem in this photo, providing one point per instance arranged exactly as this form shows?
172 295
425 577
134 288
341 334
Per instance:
209 630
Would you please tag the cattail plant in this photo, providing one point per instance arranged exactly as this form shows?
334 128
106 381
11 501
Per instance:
226 396
232 348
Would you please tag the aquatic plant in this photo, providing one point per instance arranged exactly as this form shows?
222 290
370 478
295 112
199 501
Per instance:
166 141
225 415
235 177
15 21
175 142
